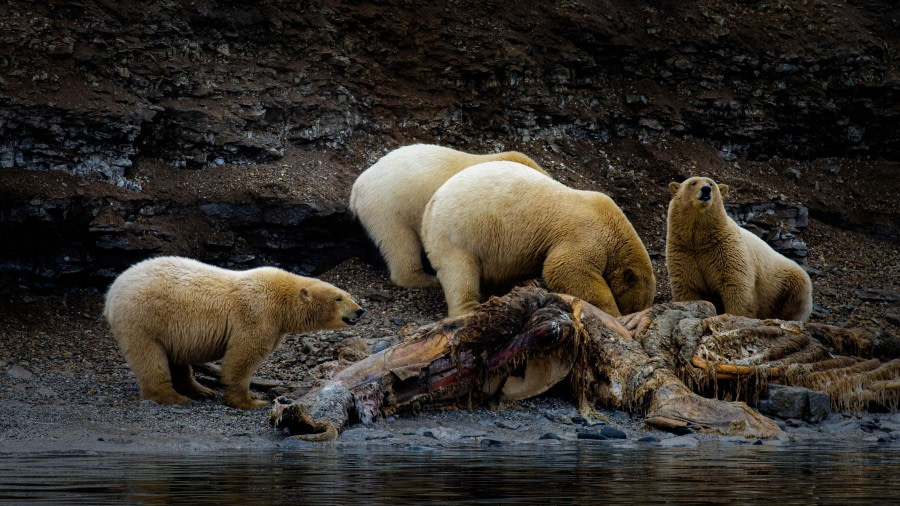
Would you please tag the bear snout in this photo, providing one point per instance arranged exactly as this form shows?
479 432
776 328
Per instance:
705 193
351 320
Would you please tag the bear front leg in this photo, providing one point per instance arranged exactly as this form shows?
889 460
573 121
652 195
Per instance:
402 250
738 297
682 293
460 276
242 358
566 272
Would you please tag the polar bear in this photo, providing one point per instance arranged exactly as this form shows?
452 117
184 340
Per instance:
390 196
709 257
167 313
497 223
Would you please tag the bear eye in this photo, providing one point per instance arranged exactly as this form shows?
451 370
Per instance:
339 299
693 183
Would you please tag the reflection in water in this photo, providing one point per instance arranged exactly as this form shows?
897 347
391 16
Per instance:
582 473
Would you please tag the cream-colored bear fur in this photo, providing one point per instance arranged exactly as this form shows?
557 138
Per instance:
497 223
390 196
709 257
167 313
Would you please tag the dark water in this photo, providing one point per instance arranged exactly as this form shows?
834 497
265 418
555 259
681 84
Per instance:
590 473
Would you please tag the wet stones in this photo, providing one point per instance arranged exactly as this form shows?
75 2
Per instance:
19 373
795 403
687 441
613 433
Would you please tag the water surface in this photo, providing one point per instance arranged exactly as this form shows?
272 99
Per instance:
584 473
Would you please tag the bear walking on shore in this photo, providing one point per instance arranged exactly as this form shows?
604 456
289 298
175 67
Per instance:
167 313
390 196
500 223
709 257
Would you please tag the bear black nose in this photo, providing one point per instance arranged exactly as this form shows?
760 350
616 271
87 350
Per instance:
359 312
706 190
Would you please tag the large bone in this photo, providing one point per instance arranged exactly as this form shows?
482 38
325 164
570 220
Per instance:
638 363
453 358
617 371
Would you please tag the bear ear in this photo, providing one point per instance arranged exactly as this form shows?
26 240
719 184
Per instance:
305 295
723 189
673 187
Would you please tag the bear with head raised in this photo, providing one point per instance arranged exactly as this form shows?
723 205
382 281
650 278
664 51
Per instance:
709 257
390 196
168 313
498 223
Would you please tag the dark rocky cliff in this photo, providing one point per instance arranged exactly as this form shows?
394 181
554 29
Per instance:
233 132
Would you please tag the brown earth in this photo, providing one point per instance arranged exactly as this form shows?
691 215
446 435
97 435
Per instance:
233 135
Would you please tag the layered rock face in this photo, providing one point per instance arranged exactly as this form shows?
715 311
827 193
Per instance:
233 133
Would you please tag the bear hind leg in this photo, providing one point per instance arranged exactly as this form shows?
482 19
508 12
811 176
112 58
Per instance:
573 278
150 365
184 382
402 251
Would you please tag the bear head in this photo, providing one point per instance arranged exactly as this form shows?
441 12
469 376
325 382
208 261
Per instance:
311 304
698 194
633 289
330 307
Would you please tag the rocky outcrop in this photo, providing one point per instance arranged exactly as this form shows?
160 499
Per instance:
98 89
91 235
90 84
778 224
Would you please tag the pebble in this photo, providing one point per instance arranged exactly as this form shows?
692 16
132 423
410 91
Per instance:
506 424
420 448
648 439
376 295
679 442
591 435
378 434
18 372
868 426
893 318
46 392
551 435
587 422
381 345
356 433
441 433
558 418
613 433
